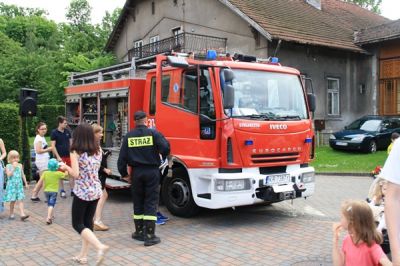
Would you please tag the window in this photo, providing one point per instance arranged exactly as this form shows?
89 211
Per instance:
333 85
190 91
138 44
164 92
154 45
184 95
176 32
153 8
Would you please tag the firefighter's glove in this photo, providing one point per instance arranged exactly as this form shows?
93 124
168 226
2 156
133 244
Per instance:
163 166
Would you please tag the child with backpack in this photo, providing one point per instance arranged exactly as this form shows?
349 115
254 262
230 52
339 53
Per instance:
51 179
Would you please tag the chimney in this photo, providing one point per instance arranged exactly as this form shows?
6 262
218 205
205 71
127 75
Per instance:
315 3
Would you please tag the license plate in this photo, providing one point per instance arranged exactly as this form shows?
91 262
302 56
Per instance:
339 143
277 179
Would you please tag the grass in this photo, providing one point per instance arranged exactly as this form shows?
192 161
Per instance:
331 161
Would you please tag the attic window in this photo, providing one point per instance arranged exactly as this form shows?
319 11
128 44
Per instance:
153 8
314 3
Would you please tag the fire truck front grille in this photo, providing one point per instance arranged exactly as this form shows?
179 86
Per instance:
276 157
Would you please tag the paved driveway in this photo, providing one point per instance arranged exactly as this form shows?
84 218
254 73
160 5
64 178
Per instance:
279 234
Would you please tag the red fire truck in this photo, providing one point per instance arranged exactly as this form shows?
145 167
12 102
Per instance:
240 132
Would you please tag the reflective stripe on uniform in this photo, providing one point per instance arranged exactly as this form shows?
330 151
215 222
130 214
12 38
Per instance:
149 218
140 141
137 217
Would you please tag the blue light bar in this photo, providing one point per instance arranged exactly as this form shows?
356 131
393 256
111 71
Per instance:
211 55
274 60
308 140
248 142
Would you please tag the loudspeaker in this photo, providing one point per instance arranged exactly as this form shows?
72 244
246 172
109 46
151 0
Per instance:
27 102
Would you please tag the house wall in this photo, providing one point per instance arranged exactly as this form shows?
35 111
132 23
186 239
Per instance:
207 17
353 70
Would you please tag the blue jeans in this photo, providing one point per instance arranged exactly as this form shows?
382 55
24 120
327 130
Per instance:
51 198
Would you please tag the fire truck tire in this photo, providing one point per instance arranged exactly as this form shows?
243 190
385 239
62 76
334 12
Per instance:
177 195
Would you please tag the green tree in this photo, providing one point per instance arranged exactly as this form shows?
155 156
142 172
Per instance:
13 11
40 54
373 5
79 12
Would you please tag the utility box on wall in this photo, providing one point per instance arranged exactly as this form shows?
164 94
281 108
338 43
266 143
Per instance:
319 124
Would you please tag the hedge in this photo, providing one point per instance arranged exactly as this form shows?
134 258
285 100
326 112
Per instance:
13 127
12 131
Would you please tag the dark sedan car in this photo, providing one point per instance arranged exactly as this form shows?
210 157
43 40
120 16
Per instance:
367 134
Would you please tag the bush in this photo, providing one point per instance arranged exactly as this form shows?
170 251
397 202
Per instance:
14 134
47 114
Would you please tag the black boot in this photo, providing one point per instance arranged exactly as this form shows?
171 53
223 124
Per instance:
139 233
149 234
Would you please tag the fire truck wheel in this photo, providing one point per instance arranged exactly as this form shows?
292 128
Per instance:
177 195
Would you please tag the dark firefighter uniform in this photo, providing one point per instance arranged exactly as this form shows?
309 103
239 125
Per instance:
141 149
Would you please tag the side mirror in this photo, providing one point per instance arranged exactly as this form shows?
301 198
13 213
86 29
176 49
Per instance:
176 61
229 97
228 75
311 101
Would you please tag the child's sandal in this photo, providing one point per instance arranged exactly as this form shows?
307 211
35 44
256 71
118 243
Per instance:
101 255
80 260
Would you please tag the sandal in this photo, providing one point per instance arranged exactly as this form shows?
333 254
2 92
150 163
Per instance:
80 260
101 255
49 221
23 218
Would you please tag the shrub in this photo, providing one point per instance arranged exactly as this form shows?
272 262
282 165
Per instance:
14 134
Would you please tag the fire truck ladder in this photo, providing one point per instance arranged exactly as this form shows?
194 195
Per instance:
112 72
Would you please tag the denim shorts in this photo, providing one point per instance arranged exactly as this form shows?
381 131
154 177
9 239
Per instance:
51 198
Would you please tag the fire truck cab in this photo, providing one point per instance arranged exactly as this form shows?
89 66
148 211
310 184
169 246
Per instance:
240 132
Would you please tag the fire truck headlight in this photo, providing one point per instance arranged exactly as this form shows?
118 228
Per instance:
232 185
308 177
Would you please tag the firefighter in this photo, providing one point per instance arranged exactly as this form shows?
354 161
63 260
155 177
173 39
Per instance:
141 149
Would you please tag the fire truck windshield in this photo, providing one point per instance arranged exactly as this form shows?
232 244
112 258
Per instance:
268 96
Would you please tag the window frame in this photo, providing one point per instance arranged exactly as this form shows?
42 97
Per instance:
332 92
138 43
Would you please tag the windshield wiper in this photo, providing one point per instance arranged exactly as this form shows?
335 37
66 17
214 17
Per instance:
294 117
258 116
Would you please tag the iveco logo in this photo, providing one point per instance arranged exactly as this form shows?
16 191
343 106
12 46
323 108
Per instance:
278 126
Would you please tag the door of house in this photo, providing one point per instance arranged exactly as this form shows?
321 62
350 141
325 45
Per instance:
389 87
389 95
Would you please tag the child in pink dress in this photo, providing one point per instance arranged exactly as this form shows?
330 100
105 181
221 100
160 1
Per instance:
361 245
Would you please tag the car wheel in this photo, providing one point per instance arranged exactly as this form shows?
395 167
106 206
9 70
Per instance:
372 146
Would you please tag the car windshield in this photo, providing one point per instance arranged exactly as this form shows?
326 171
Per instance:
367 125
268 96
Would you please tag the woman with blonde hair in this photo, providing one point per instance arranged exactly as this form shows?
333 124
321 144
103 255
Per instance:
104 172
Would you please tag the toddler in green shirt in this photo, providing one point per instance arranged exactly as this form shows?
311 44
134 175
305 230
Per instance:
51 179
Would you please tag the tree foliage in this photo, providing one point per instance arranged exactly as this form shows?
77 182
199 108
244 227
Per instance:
38 53
373 5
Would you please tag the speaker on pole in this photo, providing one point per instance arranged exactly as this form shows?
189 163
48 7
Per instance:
27 102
